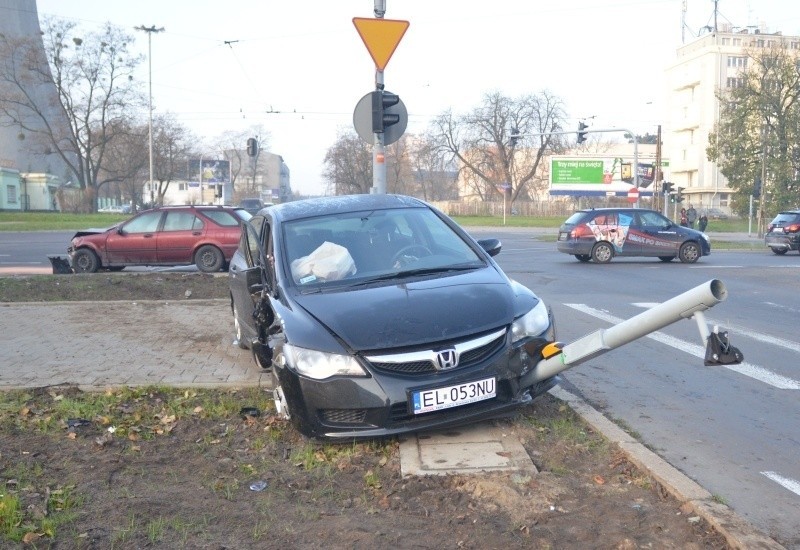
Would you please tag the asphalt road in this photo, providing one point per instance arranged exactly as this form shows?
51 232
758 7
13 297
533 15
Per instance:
735 430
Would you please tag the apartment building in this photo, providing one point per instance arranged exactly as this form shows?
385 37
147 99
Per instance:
712 62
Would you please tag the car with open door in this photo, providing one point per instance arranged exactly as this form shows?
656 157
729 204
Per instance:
378 315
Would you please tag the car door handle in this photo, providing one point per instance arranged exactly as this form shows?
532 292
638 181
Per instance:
196 233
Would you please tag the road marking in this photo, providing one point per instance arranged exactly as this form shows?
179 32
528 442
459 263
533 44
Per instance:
781 306
767 339
791 484
753 371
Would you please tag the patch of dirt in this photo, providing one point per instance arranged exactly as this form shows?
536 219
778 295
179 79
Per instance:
178 468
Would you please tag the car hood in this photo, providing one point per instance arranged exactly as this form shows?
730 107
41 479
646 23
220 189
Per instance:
419 312
92 231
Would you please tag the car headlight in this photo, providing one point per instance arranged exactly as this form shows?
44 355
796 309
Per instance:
320 365
533 323
706 237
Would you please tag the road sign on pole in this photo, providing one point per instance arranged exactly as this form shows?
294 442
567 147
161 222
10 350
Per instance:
633 194
381 37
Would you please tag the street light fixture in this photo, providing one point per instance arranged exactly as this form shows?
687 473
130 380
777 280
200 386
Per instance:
150 30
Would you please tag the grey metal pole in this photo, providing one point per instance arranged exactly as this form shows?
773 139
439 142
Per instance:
379 149
683 306
150 30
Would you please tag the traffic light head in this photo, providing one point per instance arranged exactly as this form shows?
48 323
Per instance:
514 137
757 188
252 147
581 132
667 187
679 195
381 119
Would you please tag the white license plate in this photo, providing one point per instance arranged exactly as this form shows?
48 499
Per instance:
453 396
778 230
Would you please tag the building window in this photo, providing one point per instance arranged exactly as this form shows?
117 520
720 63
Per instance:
734 61
760 43
182 187
726 41
733 82
737 41
11 194
723 199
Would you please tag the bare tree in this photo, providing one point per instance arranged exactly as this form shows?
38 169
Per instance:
491 161
173 145
126 163
93 79
348 165
435 178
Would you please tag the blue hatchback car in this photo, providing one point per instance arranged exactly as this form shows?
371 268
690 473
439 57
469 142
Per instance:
600 234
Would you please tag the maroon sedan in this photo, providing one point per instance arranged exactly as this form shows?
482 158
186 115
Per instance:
206 236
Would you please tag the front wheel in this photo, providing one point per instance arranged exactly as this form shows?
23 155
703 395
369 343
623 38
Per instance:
238 328
689 252
209 259
85 261
779 251
602 253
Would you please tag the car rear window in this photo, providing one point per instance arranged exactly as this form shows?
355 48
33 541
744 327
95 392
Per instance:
222 217
786 217
575 218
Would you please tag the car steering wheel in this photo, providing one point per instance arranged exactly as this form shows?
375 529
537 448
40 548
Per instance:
404 257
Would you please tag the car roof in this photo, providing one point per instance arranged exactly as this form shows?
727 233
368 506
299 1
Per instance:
339 204
616 209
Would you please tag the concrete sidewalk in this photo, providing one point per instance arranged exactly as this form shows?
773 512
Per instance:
95 345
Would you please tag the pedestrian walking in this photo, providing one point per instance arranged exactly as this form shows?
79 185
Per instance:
702 223
691 216
684 221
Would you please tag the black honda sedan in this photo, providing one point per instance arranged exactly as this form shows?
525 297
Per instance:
378 315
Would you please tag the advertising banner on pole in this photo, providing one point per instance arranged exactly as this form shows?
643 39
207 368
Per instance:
599 176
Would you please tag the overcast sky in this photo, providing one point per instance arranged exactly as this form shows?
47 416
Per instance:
299 67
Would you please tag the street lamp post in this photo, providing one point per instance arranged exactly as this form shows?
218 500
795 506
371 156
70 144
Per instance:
150 30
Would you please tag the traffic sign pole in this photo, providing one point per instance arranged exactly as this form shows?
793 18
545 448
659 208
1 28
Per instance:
379 151
381 37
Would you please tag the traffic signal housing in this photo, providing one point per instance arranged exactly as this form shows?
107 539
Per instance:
679 195
381 101
252 147
667 187
581 132
514 137
757 188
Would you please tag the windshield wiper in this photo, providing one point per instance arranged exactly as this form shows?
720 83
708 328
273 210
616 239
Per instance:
416 272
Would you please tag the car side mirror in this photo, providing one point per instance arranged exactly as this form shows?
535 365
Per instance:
120 231
491 246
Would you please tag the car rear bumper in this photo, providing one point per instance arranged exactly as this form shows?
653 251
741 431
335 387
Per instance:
783 241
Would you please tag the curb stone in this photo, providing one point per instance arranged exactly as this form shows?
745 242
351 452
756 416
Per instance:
738 533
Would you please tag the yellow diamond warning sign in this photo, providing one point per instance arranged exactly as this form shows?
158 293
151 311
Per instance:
381 36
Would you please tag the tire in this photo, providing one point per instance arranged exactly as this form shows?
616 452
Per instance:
689 252
583 257
602 253
209 259
85 261
780 251
666 258
115 268
238 328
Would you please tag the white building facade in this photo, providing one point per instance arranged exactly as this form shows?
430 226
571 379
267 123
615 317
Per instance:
711 63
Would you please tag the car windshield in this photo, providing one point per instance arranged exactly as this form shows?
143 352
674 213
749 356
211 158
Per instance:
363 247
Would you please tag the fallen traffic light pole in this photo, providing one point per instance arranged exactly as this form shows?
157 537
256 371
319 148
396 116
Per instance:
690 304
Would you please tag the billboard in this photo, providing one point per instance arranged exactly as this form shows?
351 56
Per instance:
599 176
209 171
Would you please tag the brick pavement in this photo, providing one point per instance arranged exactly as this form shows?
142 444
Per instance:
96 345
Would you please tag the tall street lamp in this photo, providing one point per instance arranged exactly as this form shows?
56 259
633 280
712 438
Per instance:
150 30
